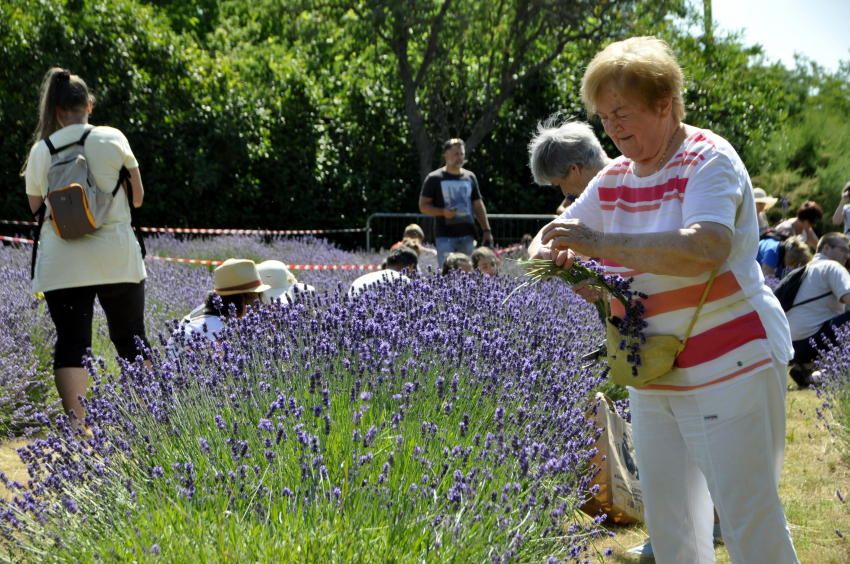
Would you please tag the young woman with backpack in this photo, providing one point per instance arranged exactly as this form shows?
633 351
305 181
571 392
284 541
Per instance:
107 262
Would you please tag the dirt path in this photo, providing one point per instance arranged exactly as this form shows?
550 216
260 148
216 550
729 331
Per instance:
11 465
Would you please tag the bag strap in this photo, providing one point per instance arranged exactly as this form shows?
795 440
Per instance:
803 279
809 300
699 307
82 141
708 287
124 178
39 213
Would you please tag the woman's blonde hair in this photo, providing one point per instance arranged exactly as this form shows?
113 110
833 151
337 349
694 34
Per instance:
642 68
797 252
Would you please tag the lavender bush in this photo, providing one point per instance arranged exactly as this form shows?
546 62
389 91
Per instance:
834 364
26 377
424 421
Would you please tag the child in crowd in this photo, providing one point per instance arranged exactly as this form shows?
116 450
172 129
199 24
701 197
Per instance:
485 261
457 261
400 261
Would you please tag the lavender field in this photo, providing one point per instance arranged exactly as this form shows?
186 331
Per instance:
434 421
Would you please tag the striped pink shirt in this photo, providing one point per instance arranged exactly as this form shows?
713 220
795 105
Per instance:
741 326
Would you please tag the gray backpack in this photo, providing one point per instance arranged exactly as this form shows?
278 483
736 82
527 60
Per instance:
76 207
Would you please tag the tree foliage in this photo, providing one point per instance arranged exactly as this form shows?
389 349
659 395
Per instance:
807 160
295 114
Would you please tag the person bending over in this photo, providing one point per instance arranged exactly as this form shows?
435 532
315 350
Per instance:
399 262
782 253
238 284
808 216
567 155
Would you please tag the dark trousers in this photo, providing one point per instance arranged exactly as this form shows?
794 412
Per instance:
804 351
72 310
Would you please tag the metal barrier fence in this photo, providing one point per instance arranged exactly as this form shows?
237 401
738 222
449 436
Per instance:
384 229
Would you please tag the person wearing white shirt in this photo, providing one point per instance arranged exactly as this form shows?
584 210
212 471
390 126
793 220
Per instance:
237 284
825 291
400 260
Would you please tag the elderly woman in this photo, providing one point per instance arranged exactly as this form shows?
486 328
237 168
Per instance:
567 155
674 211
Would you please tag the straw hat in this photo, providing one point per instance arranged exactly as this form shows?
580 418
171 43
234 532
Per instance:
278 278
762 198
238 276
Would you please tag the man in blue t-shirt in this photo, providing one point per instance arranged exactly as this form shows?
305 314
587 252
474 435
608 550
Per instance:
451 194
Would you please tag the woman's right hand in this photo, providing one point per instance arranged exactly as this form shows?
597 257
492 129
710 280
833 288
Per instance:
564 258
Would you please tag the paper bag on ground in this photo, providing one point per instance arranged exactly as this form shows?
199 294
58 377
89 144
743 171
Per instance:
619 493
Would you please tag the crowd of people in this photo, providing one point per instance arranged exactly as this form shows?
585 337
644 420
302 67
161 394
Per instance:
676 213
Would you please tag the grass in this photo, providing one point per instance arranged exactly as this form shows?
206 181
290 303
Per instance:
813 471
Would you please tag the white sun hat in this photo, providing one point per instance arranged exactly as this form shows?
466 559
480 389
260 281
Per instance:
761 197
278 278
238 276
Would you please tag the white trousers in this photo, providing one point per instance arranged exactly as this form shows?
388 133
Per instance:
721 448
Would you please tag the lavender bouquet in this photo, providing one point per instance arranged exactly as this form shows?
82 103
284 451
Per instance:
632 324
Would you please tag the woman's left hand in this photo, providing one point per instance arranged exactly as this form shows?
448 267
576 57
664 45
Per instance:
587 292
563 234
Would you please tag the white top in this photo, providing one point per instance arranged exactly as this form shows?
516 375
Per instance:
823 275
213 323
287 297
741 326
373 278
111 254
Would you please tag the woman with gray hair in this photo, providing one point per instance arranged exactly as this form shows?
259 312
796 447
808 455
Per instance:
676 213
566 154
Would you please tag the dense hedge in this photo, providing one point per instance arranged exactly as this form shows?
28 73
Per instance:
262 115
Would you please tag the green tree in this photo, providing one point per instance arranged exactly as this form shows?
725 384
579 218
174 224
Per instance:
807 160
460 62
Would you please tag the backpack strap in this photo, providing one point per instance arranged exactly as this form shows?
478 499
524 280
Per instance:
124 178
39 213
809 300
82 141
802 279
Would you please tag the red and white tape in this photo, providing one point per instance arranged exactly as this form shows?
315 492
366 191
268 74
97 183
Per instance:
16 240
290 266
188 261
222 231
334 266
250 231
500 252
10 222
